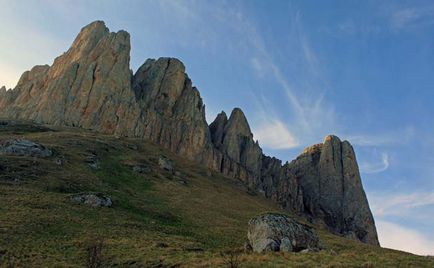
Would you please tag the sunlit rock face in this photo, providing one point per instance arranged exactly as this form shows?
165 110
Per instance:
91 86
84 87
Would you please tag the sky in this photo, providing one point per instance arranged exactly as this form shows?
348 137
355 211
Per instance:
300 70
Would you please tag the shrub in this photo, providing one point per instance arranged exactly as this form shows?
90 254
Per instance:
231 258
94 250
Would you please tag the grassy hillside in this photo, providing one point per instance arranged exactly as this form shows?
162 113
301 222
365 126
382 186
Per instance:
158 219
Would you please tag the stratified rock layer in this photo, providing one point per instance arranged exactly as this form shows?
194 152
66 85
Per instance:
91 86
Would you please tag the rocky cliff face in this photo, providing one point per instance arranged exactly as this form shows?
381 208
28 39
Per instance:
84 87
171 109
241 155
91 86
332 190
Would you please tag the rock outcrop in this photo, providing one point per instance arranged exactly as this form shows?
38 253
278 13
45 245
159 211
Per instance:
92 199
277 232
280 185
84 87
171 111
22 147
234 139
91 86
332 189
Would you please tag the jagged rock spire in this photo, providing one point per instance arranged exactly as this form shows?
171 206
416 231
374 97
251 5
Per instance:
234 138
332 189
91 86
217 129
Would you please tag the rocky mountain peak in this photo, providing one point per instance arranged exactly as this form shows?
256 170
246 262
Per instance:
159 83
237 124
36 73
332 191
93 31
235 140
91 86
3 90
217 128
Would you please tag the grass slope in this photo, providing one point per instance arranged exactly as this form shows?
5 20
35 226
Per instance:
158 219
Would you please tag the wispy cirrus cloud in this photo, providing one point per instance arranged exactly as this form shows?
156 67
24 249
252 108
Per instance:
397 137
310 113
411 17
377 166
399 204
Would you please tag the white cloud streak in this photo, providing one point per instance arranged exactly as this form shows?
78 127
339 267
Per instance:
398 137
394 236
375 167
311 115
411 17
273 134
399 204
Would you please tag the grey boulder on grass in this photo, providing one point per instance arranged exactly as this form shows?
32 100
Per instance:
92 199
278 232
22 147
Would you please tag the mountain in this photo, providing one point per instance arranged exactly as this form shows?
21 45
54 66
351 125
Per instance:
146 207
91 86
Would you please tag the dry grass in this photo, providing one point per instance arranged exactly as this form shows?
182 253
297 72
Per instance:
157 220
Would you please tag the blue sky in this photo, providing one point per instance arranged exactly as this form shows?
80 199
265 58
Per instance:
363 70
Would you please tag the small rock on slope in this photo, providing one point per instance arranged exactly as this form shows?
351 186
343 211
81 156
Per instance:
24 147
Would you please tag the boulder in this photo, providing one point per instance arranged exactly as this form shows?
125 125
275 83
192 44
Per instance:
92 199
286 245
165 163
141 169
92 161
278 232
22 147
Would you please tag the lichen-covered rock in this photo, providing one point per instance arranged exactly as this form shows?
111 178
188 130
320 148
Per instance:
24 147
92 199
92 161
141 169
165 163
332 189
277 232
286 245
